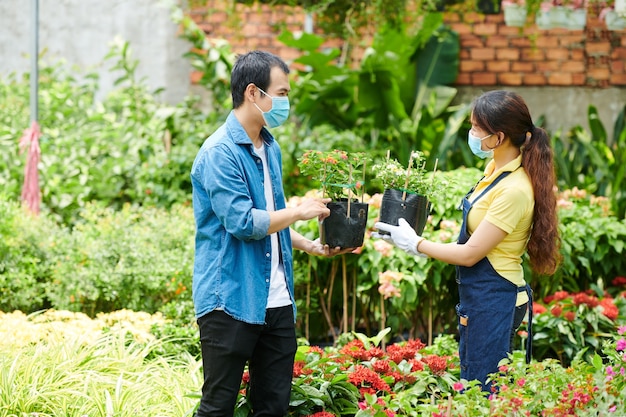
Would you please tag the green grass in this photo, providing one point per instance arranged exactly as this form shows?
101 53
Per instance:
71 374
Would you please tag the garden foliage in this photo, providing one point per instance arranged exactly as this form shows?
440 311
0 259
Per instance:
116 229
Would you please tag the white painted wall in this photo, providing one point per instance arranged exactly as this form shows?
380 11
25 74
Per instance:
79 32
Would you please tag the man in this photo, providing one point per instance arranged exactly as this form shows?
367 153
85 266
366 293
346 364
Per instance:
243 272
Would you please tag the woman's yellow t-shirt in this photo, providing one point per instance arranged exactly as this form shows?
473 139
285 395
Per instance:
509 206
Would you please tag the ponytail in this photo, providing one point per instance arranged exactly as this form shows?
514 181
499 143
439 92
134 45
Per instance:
544 243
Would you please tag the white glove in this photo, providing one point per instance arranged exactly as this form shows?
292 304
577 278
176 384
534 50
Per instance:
403 236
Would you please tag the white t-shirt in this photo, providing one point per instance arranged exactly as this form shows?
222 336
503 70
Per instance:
279 295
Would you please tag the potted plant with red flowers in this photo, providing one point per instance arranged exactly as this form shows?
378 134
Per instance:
408 191
341 177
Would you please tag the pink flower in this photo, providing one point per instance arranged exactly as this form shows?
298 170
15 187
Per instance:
621 330
458 386
385 248
621 344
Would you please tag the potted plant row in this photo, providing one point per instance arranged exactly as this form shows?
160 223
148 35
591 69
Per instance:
567 14
407 191
341 176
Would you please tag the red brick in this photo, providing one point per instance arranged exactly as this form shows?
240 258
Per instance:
558 54
579 79
510 78
617 66
618 79
461 28
546 42
510 31
598 73
463 79
571 39
534 79
577 55
472 41
483 78
522 42
471 66
484 54
560 78
533 54
498 66
473 17
573 66
495 18
619 52
451 17
598 48
509 54
547 66
486 29
497 41
527 67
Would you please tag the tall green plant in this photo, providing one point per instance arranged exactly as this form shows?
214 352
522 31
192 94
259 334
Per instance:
594 161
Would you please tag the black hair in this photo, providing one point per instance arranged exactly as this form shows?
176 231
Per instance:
253 67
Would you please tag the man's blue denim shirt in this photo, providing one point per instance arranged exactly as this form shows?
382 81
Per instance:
232 254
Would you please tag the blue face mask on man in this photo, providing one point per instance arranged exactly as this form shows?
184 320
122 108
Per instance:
475 144
279 112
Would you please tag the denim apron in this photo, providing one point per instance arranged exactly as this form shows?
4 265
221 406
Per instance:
485 311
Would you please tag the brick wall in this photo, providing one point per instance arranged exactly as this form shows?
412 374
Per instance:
491 52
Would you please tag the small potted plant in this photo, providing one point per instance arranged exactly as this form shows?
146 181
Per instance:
408 191
613 12
341 177
515 12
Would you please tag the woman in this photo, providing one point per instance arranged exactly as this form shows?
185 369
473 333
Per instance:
512 209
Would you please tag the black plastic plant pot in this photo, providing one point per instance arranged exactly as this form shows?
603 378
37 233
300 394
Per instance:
414 209
341 230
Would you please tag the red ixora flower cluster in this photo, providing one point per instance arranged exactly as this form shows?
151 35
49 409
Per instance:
367 380
588 298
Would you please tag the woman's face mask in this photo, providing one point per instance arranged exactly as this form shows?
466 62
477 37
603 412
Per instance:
279 112
475 144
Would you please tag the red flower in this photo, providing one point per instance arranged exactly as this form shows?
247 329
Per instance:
437 364
316 349
382 366
322 414
560 295
556 310
407 351
416 365
619 281
609 309
363 377
538 309
569 315
297 368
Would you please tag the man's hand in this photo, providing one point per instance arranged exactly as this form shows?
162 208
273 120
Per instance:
403 236
313 207
324 250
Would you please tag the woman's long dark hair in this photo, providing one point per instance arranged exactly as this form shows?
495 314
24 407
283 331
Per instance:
506 111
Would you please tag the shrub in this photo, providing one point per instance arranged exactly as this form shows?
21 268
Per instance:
135 258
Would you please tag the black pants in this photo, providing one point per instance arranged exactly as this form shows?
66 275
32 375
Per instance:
227 344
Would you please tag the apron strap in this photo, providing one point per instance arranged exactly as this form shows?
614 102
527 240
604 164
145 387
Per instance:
529 340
